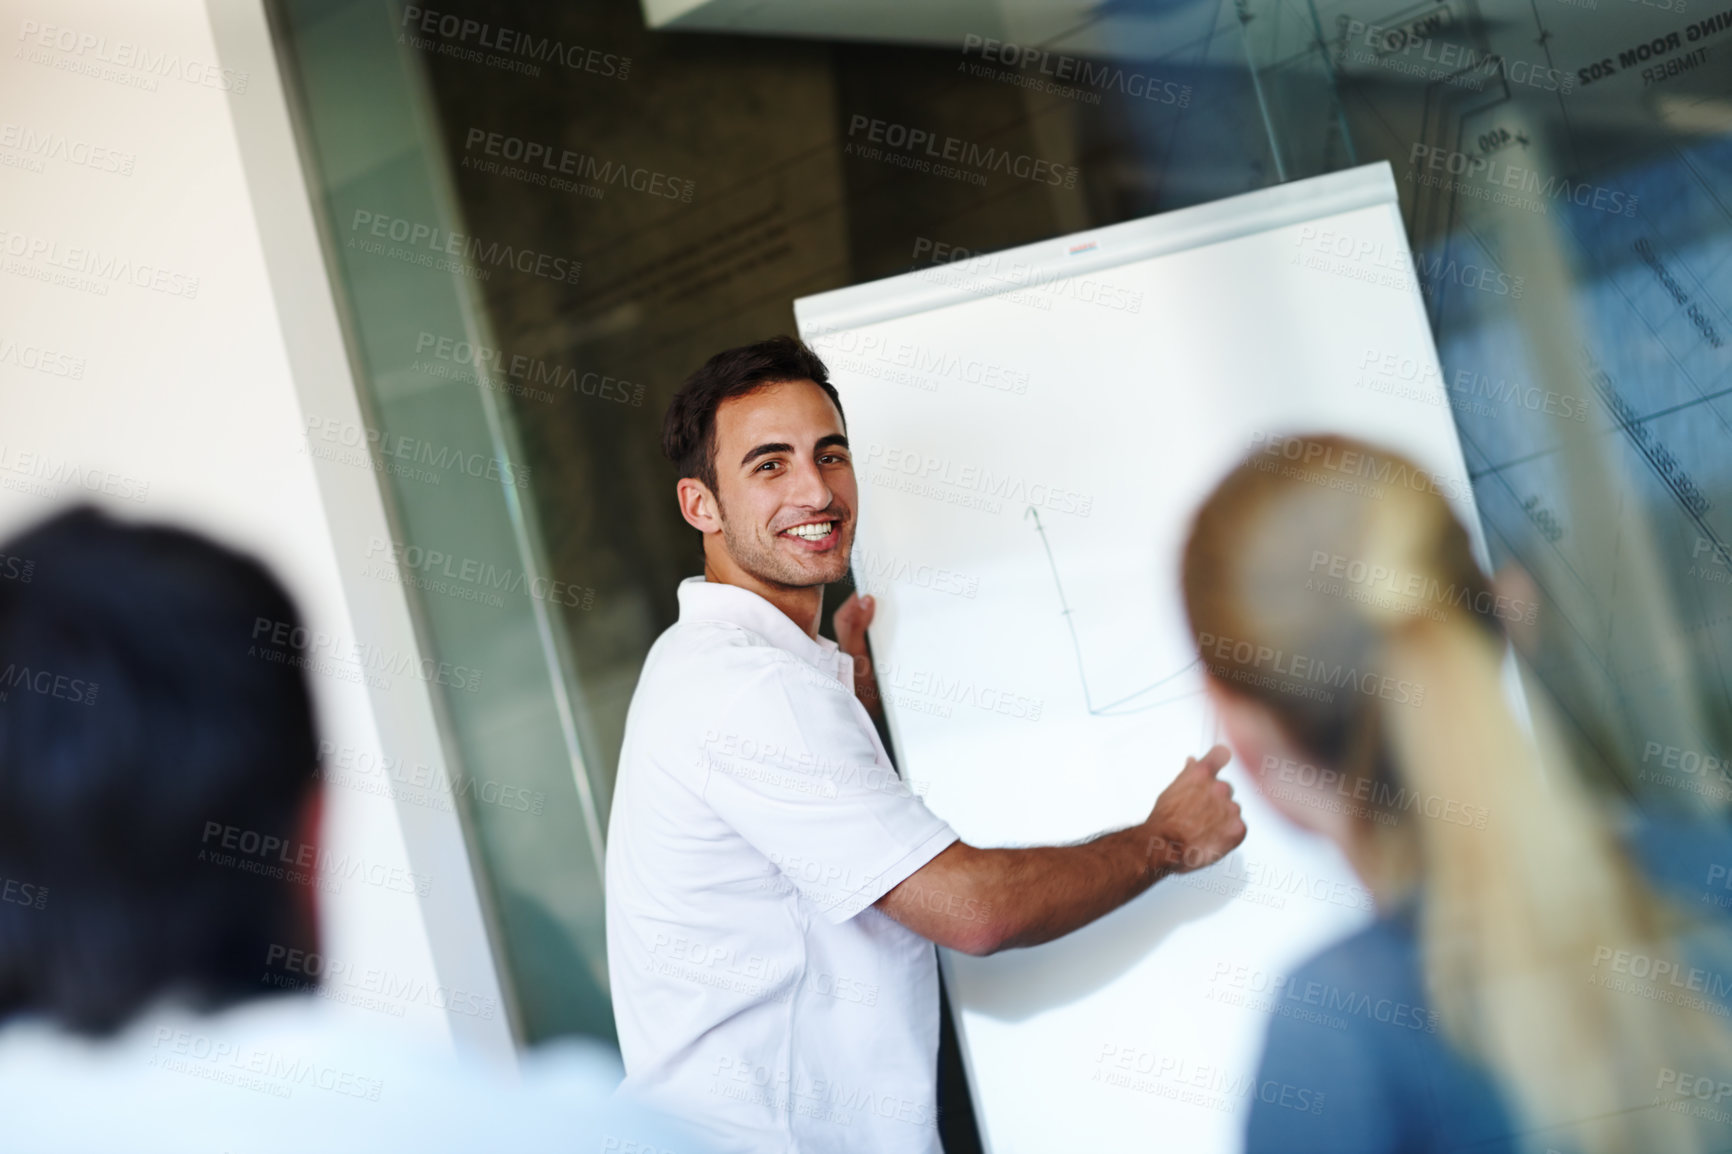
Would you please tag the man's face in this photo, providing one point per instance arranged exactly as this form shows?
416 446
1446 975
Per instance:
785 485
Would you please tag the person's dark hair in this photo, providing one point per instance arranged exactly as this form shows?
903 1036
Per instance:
150 694
689 429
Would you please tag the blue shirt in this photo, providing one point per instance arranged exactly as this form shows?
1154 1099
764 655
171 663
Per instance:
1390 1079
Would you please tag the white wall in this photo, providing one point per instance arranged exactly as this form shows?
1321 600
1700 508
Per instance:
190 325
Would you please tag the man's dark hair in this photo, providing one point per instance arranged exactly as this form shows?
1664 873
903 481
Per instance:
150 693
689 429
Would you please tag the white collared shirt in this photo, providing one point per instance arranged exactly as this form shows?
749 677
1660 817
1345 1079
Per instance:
756 818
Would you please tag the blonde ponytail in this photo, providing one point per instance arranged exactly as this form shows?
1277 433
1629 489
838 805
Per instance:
1516 912
1522 888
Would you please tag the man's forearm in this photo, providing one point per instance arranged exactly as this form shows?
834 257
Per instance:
1047 892
1023 897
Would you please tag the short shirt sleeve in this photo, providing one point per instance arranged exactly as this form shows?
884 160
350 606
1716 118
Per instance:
789 760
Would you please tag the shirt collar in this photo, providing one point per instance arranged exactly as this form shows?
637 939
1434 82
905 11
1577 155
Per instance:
703 600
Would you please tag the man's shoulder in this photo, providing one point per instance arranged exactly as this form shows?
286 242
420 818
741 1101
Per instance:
703 676
717 654
699 636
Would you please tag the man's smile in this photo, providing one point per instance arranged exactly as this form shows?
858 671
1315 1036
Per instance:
816 536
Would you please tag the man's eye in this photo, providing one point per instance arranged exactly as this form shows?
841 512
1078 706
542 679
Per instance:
768 465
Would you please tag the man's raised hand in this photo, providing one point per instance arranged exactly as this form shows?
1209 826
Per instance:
1195 821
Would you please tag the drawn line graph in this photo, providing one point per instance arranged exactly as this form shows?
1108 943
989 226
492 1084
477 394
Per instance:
1116 708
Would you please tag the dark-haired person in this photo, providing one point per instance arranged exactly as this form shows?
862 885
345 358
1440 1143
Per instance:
143 717
773 889
1533 980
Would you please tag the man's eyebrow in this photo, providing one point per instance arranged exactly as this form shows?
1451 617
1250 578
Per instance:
765 450
831 440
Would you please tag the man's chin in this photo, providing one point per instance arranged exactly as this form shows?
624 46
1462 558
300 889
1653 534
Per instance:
805 572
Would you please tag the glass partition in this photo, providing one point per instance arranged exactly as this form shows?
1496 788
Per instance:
543 218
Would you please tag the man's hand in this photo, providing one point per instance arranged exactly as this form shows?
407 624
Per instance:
1195 821
852 618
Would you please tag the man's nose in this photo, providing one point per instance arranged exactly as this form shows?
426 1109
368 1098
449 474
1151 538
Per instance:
810 487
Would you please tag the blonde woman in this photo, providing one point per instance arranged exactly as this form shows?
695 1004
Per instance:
1533 981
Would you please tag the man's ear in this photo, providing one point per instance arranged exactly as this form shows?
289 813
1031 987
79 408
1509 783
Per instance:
699 506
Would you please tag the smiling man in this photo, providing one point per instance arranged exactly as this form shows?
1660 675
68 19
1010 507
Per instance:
773 888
